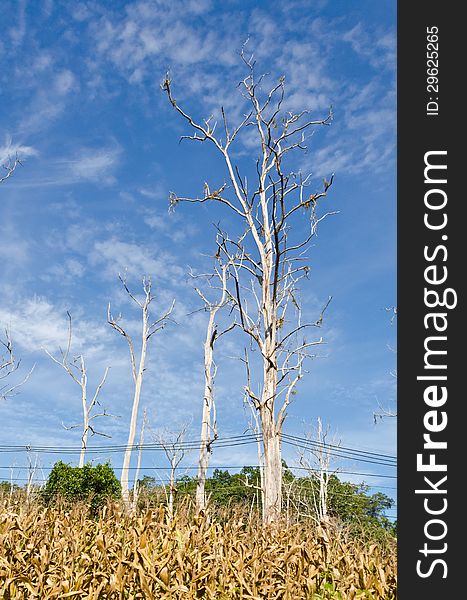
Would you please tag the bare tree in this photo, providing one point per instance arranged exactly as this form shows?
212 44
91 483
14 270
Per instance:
32 468
255 427
76 369
138 464
149 328
9 167
173 446
208 419
316 460
8 365
384 412
267 254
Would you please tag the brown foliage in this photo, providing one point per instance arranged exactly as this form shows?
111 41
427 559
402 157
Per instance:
54 553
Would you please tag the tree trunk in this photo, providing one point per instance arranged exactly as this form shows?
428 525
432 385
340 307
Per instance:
270 430
134 417
272 494
206 424
84 438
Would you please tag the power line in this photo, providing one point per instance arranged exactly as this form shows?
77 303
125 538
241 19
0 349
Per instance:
325 445
228 442
186 445
346 456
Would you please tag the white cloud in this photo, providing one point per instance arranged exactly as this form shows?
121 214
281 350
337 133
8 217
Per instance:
378 47
68 272
117 256
65 82
18 31
11 149
36 323
96 165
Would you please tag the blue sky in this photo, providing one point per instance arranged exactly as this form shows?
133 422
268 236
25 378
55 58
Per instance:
81 104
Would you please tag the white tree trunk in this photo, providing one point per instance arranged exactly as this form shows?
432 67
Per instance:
272 483
266 210
206 424
84 438
138 465
134 416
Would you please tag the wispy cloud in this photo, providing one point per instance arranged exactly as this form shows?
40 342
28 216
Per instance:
10 149
116 256
37 322
48 105
376 46
97 165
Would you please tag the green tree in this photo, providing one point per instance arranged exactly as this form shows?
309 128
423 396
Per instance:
94 485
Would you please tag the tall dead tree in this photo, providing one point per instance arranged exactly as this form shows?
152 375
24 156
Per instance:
208 419
138 464
270 254
149 328
76 369
8 365
383 412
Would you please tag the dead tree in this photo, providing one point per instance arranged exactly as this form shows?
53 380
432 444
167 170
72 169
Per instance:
149 328
8 365
255 427
269 254
173 445
317 461
76 369
383 412
208 419
138 464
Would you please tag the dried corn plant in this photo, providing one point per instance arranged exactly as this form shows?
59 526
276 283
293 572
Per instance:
53 553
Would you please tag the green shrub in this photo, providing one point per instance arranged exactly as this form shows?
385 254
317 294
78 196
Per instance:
94 485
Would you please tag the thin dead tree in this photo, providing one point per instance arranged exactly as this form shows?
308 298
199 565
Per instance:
138 464
384 412
173 445
77 370
317 461
208 419
269 254
149 328
32 468
8 365
9 167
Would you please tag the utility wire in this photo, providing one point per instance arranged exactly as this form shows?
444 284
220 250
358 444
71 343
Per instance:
228 442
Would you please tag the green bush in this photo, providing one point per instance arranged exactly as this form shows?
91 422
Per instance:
94 485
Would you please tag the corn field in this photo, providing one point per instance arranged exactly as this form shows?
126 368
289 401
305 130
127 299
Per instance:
58 553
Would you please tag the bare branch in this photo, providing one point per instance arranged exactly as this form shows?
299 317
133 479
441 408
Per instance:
9 167
79 364
264 268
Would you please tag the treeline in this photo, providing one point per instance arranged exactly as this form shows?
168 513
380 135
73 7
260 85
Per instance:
348 505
